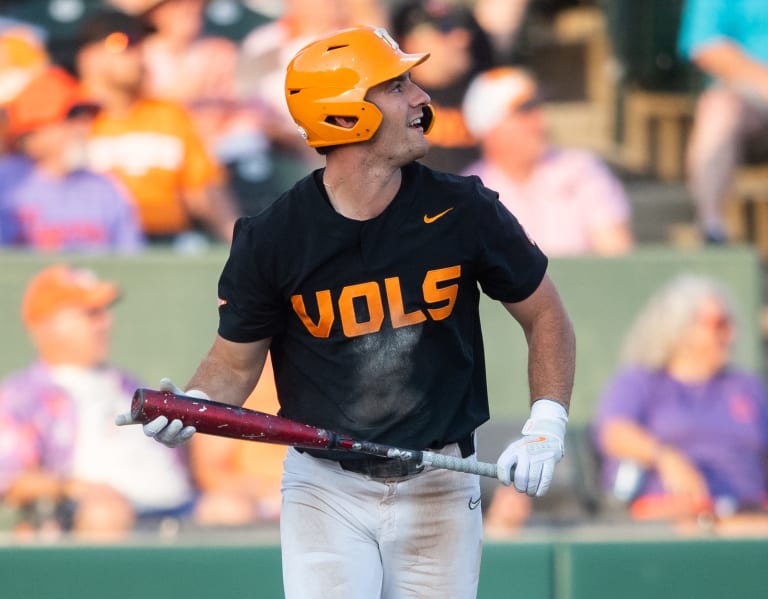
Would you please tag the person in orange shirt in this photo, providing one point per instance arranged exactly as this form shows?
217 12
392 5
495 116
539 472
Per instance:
151 145
185 64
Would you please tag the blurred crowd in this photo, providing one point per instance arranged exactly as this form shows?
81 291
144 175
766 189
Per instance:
126 124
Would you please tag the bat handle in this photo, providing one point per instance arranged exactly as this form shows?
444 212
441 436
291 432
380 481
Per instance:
449 462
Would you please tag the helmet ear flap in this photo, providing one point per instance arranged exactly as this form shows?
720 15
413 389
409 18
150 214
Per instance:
427 118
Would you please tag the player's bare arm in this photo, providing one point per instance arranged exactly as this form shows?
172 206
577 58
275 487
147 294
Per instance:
230 371
551 343
551 365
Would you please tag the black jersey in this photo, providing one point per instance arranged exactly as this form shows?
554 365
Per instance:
375 324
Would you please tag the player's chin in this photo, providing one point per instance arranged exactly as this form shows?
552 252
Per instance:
419 147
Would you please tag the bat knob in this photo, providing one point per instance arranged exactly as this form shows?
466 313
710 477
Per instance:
137 405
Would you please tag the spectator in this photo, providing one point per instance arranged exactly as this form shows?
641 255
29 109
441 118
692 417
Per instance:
151 145
459 49
728 41
566 198
689 428
182 64
22 57
199 71
48 200
59 446
239 480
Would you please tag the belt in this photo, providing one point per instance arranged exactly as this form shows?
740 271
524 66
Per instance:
376 467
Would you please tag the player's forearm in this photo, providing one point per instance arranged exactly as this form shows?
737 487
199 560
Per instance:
552 357
230 370
551 345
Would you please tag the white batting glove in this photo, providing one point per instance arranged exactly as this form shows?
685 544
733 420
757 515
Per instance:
173 433
536 454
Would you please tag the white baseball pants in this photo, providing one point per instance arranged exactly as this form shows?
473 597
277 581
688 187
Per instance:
344 534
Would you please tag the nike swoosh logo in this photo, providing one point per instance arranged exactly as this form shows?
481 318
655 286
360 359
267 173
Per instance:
537 440
473 503
430 219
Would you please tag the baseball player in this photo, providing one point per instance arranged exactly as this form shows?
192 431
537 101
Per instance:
363 282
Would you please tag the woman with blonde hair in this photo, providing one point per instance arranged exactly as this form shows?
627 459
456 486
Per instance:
679 415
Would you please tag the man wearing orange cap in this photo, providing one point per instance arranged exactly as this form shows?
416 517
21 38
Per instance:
59 447
48 200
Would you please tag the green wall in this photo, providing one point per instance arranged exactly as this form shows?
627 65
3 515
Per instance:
603 296
167 318
661 569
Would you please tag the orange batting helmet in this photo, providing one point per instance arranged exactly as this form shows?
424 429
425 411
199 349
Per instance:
331 76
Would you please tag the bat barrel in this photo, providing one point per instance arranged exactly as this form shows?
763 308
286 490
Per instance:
225 420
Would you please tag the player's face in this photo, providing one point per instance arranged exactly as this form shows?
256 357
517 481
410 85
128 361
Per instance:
400 137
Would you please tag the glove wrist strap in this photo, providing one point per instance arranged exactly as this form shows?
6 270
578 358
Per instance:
547 416
546 407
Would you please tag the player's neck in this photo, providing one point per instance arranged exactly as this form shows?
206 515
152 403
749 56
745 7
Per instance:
361 194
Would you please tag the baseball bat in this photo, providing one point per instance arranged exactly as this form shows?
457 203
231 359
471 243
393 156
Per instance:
224 420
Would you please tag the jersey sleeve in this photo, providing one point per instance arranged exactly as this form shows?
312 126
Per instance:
510 265
249 306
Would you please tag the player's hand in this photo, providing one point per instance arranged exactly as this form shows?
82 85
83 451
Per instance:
538 452
173 433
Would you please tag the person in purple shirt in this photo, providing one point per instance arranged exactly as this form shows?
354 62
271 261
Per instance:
47 201
682 432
